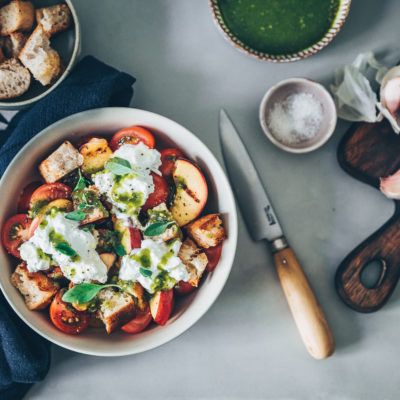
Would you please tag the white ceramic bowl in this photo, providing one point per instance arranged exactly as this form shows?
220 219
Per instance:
280 92
68 45
106 121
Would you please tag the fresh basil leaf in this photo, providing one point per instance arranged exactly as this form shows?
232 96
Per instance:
145 272
81 206
120 250
66 249
76 215
157 228
84 292
82 182
119 166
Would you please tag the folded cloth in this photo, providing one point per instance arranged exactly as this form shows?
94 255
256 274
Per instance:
24 355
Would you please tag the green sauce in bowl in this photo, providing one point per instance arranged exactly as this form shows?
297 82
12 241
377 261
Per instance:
279 27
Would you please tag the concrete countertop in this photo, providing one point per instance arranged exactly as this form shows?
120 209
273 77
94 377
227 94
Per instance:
247 345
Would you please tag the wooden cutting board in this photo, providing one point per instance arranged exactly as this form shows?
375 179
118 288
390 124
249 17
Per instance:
368 152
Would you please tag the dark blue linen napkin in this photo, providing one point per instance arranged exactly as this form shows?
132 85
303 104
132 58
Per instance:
24 355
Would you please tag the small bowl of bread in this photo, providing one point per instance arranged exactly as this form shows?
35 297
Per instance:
39 45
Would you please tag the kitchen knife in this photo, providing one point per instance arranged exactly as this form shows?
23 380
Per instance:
262 223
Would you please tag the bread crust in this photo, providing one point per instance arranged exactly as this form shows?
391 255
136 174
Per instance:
54 19
207 231
15 79
16 16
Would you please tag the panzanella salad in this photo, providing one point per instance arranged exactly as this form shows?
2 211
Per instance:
113 234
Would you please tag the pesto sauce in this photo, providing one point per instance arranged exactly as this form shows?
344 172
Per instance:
143 258
131 200
56 238
180 182
42 255
163 282
279 26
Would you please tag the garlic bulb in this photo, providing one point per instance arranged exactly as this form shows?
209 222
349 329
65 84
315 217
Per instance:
390 98
390 186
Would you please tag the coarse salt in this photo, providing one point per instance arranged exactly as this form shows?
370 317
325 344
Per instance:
296 119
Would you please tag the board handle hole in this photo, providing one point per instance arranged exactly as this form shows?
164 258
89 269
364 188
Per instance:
373 274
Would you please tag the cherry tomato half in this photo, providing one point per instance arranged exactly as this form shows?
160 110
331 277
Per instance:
140 322
182 288
66 318
132 135
168 158
25 198
49 192
160 194
15 232
213 254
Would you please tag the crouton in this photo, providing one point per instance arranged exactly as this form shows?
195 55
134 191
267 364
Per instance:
60 163
207 231
14 79
194 259
13 44
16 16
43 61
116 308
37 289
162 214
96 153
54 19
89 196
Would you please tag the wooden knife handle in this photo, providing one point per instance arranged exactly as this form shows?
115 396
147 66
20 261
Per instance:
307 312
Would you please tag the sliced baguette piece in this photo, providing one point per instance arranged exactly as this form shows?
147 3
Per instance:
54 19
194 259
207 231
13 44
60 163
37 289
16 16
14 79
43 61
116 308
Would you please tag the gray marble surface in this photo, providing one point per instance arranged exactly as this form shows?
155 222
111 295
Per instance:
247 346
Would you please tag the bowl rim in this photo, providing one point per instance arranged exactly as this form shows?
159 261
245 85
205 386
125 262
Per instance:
233 227
341 16
77 41
271 137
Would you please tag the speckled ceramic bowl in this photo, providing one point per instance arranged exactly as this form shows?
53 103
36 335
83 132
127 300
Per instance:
67 44
309 51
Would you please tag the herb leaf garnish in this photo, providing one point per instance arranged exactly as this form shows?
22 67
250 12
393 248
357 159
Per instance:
66 249
82 182
157 228
145 272
88 228
119 166
84 292
76 215
120 250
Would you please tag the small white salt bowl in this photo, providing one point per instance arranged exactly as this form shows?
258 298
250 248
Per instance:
279 93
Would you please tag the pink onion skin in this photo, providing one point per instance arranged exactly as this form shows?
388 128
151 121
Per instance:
390 186
391 93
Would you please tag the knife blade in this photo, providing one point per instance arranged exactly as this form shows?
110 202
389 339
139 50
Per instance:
262 223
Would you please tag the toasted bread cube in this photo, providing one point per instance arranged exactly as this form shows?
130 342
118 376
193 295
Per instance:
13 44
43 61
95 210
194 259
60 163
54 19
37 289
96 153
207 231
162 214
14 79
116 308
16 16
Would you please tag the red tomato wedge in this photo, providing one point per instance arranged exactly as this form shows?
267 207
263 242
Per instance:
25 198
182 288
66 318
15 232
161 306
168 158
136 238
132 135
49 192
140 322
213 254
160 194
